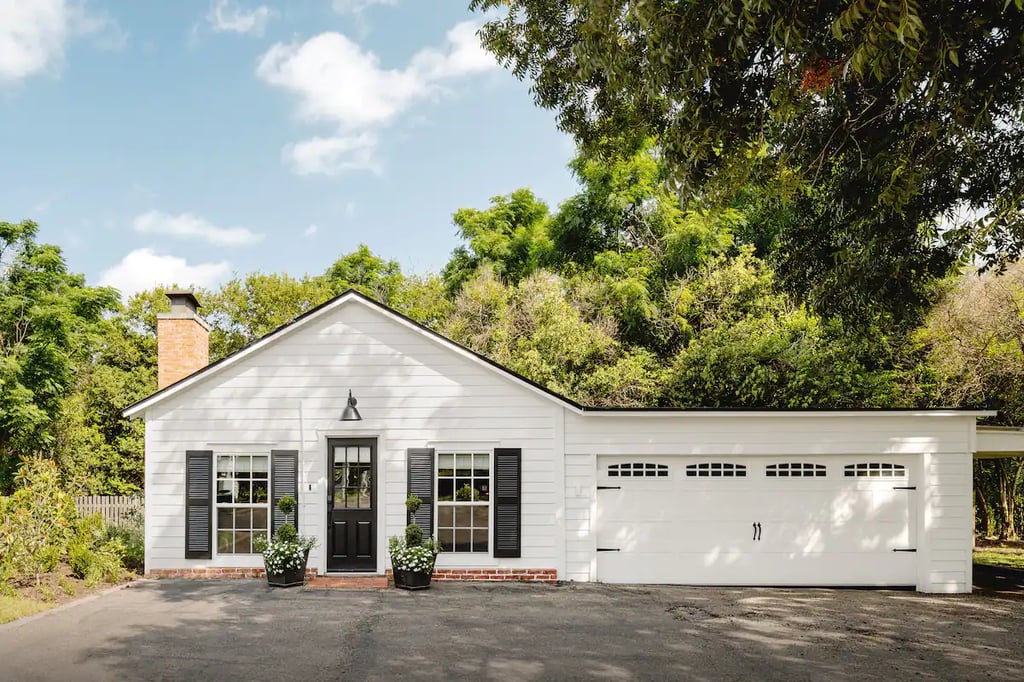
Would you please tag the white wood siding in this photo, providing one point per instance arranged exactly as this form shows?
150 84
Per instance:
412 392
943 445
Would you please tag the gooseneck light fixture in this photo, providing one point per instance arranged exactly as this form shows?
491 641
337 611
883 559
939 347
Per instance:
351 414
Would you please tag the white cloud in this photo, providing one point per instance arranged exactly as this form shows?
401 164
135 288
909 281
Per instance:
34 35
357 6
187 226
350 209
462 55
310 231
226 15
339 83
332 155
143 269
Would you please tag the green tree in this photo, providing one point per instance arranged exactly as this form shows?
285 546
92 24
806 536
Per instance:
49 321
974 338
876 119
247 308
368 273
510 236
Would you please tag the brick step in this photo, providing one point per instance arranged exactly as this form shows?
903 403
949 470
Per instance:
347 582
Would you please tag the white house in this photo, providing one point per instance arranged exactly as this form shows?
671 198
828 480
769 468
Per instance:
524 484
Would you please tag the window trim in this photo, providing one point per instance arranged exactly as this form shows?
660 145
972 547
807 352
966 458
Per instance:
438 454
218 505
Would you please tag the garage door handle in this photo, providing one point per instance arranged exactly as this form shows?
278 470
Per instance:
904 487
904 550
609 487
757 531
608 549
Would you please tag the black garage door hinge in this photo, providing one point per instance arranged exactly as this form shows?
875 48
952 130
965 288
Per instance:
608 549
904 550
609 487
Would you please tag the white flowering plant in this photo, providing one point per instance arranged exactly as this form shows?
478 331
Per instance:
413 553
285 553
287 550
415 558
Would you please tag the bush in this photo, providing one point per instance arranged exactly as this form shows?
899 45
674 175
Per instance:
92 556
37 523
133 539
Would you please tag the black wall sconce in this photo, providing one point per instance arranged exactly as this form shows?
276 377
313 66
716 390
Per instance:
351 414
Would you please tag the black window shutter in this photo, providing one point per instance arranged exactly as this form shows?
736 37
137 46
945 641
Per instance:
420 463
198 504
507 502
284 480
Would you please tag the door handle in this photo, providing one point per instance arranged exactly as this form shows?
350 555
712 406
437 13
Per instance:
754 525
759 531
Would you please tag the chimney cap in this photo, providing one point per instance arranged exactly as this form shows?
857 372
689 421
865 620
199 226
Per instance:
183 297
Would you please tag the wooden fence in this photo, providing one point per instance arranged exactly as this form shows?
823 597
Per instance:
116 510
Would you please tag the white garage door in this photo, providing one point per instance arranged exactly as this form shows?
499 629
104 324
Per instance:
756 520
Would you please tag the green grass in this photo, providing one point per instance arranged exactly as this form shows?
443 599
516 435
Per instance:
13 608
1009 558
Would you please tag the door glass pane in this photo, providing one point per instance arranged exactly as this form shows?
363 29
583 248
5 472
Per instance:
339 456
364 455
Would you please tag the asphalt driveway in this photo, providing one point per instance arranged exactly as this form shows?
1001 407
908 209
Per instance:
241 630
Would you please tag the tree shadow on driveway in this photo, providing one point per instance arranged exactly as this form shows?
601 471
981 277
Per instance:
227 630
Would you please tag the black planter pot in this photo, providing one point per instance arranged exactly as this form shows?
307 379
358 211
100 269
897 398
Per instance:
290 578
412 580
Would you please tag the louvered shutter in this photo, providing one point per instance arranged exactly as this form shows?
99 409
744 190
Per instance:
420 464
284 480
507 502
198 504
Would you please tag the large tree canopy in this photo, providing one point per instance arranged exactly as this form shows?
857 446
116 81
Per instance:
875 121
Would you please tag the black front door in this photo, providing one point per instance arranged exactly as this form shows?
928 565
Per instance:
351 498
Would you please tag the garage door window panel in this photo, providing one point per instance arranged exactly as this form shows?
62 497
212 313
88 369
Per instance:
875 470
716 470
638 470
795 470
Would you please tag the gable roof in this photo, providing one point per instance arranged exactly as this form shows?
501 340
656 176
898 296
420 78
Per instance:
351 295
320 311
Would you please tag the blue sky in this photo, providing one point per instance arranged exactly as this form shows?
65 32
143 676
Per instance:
187 141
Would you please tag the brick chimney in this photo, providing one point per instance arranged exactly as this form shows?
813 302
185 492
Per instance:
182 339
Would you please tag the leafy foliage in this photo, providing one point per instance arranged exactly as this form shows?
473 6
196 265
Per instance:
871 121
49 322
